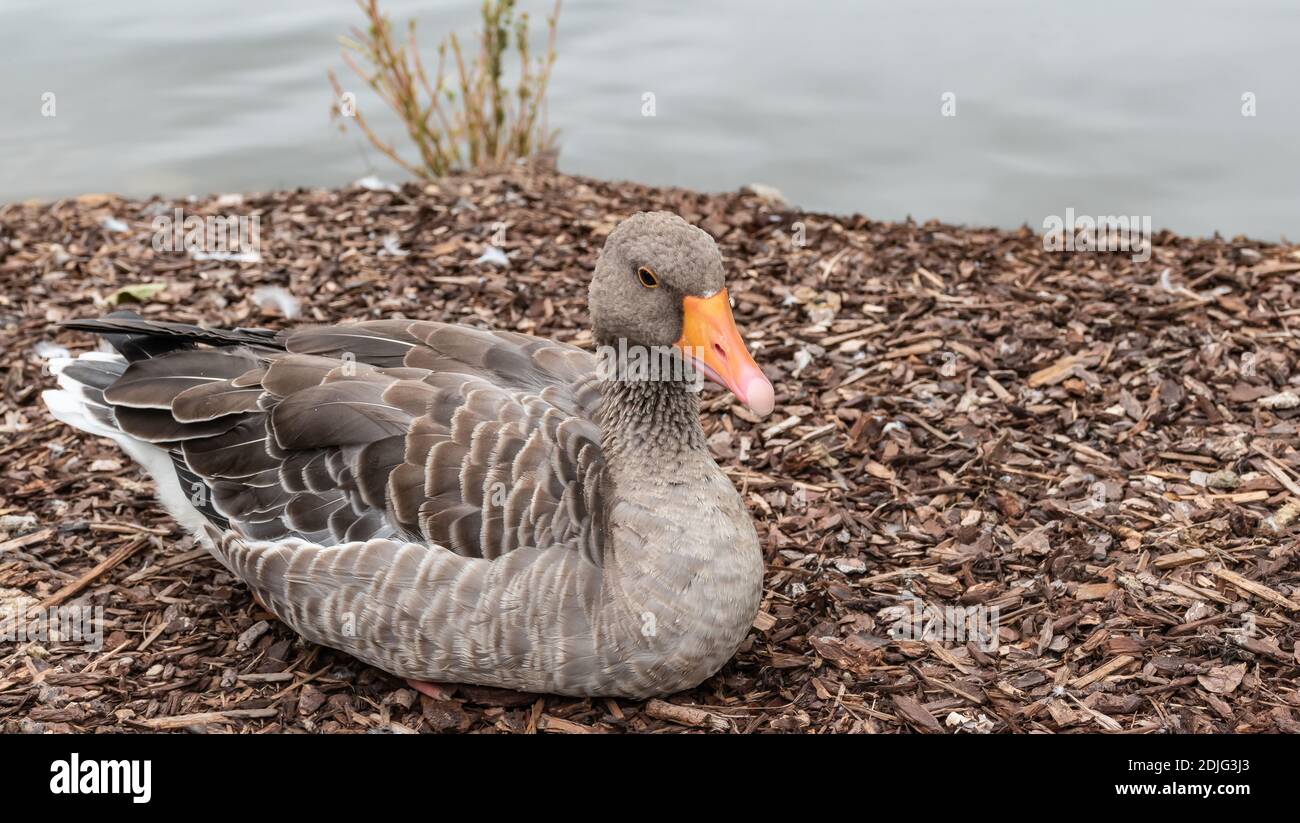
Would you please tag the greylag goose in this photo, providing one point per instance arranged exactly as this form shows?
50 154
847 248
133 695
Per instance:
457 505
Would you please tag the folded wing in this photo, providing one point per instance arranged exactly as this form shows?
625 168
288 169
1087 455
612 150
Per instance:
480 442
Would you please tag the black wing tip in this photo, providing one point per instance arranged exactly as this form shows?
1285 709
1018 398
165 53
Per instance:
99 323
136 338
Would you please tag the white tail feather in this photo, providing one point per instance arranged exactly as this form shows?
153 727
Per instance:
71 405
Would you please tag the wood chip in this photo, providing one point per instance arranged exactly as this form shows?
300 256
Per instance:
206 718
915 714
684 715
1103 671
1257 589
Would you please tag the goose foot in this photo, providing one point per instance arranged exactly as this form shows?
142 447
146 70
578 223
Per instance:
433 691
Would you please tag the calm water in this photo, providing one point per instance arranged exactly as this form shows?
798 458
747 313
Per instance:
1109 108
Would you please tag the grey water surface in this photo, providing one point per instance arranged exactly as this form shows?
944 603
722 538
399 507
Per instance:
1131 108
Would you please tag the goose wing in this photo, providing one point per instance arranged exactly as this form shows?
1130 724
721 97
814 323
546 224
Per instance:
480 442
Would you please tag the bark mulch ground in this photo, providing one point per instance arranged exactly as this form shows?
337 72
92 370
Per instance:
1093 456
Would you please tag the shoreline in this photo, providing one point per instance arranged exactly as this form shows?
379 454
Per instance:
769 195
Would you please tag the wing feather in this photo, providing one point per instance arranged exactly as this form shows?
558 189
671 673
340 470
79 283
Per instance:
482 442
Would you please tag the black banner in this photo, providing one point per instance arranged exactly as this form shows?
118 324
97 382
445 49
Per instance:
175 772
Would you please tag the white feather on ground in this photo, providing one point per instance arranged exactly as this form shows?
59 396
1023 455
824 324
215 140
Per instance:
280 299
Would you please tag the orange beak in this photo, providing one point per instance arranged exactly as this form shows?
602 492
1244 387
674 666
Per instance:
713 345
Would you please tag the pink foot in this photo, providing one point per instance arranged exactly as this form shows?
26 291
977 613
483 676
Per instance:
434 691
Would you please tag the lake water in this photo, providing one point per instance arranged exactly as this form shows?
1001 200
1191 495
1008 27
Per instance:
1107 108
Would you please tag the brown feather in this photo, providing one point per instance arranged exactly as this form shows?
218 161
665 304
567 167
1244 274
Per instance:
239 452
210 400
158 425
336 414
154 383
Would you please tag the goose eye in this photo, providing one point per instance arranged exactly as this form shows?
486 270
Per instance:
647 278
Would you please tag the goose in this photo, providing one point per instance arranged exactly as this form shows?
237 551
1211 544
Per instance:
462 506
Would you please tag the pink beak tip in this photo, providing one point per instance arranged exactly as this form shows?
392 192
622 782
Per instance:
759 395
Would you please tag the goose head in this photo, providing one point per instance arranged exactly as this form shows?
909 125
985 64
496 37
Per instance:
659 284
